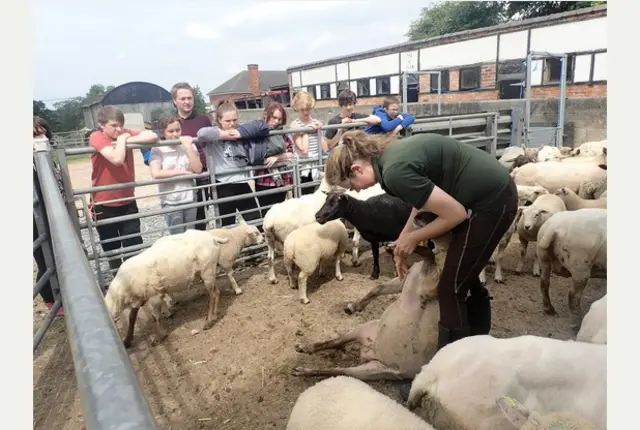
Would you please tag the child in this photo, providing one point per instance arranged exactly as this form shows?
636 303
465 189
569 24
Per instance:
347 100
307 145
172 161
392 120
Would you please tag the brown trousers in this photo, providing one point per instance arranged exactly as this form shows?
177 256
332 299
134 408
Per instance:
472 244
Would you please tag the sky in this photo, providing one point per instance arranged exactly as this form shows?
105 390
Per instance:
78 43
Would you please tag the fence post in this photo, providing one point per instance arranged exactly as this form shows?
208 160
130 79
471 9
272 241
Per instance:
208 151
68 190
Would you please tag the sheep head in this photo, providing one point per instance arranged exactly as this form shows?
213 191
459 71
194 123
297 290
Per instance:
252 235
334 207
562 192
531 217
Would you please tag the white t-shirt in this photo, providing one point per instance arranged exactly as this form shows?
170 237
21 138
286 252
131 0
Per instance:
314 148
174 157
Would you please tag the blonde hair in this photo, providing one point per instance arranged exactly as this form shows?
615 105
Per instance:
303 100
356 145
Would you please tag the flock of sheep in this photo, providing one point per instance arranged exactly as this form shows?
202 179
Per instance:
471 383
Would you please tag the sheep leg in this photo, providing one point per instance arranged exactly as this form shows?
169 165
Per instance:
321 269
523 252
499 253
393 286
233 282
355 250
358 334
370 371
339 276
536 266
302 287
214 299
160 334
545 279
483 276
375 251
271 260
288 264
133 317
575 297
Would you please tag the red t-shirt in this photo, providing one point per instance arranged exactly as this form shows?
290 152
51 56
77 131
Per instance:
103 172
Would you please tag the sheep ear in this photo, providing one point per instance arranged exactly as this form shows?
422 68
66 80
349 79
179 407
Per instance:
602 166
515 411
240 218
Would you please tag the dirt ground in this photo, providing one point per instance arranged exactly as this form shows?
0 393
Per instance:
237 375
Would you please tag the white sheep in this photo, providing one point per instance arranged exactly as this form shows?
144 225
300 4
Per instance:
309 247
528 222
346 403
172 264
572 244
523 418
527 195
589 149
586 179
594 324
240 236
599 159
573 202
458 387
552 153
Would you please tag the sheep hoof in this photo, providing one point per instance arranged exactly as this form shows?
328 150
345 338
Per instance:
339 277
498 280
549 310
273 280
355 263
305 301
374 276
207 325
155 340
238 291
298 371
127 343
349 309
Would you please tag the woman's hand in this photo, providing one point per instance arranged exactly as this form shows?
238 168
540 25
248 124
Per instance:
186 141
270 161
404 245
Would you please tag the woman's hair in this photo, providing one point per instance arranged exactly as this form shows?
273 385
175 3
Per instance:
41 123
356 145
223 107
166 119
271 108
303 100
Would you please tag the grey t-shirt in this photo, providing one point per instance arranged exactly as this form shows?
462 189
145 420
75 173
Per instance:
227 155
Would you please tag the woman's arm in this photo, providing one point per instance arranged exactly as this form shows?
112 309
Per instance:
192 153
157 172
146 136
449 211
213 134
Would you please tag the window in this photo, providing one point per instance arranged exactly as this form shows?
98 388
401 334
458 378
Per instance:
553 69
312 90
383 85
343 85
413 87
444 82
363 87
469 78
325 92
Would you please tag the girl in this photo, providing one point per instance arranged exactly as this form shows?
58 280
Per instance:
172 161
307 145
280 148
465 190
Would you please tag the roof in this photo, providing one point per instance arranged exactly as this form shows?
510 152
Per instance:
240 82
517 25
131 92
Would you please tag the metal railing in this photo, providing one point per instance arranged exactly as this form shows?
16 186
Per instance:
110 394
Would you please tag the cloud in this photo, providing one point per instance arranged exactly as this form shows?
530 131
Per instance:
320 40
272 45
195 30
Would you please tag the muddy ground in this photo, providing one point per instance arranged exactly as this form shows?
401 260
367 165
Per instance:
236 376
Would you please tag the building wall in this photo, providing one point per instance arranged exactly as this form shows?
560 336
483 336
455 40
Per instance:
214 99
484 61
90 114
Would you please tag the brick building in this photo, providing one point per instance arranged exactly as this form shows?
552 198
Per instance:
252 87
482 64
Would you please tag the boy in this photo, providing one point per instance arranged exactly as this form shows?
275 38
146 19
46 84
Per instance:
115 165
391 119
347 101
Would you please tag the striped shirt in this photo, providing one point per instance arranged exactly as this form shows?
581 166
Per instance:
313 149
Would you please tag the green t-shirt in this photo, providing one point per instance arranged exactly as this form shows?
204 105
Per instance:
409 168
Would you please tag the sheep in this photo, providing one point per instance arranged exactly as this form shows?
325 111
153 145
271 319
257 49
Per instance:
458 387
345 403
552 153
594 324
573 202
525 419
586 179
599 159
309 247
380 218
173 263
528 221
572 244
527 195
521 160
240 236
588 149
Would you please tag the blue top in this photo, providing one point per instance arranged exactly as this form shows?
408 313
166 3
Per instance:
387 124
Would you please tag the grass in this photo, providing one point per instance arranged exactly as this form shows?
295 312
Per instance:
77 158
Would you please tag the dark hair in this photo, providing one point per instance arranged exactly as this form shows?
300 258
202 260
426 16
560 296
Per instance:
166 119
347 96
390 100
271 108
42 123
110 113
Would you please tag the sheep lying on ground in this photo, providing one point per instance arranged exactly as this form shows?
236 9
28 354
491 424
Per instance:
572 244
344 403
380 218
552 153
527 195
594 324
240 236
172 264
458 387
600 159
524 419
586 179
309 247
588 149
573 202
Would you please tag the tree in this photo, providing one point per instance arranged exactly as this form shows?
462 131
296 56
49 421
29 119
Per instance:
452 16
96 91
51 116
69 113
199 105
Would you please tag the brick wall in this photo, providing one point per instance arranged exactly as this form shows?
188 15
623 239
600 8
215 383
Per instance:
573 90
